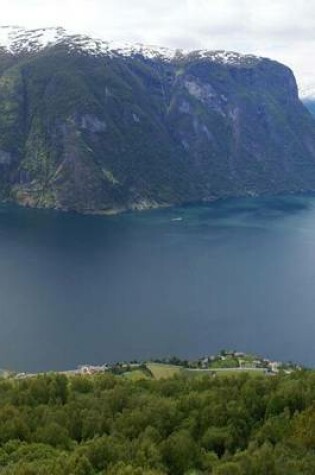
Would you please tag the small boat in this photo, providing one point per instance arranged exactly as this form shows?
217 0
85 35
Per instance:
177 219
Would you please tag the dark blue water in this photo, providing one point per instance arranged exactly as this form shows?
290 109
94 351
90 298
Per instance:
84 289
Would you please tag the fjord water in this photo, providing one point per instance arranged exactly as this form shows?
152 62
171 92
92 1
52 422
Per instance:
186 281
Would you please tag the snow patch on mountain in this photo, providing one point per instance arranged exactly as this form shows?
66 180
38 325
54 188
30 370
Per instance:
18 40
15 39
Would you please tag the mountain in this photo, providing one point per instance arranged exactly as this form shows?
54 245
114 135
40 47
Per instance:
94 126
310 105
307 96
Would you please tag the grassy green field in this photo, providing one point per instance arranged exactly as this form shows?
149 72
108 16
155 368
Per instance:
163 371
159 371
222 372
136 375
248 372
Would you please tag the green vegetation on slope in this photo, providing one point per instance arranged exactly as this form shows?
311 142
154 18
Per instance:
88 133
106 424
160 371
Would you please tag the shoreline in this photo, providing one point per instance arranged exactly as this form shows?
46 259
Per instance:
147 206
223 362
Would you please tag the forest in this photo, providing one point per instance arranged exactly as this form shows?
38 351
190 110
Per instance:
105 424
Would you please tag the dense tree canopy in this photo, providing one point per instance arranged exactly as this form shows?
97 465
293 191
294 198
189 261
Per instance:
105 424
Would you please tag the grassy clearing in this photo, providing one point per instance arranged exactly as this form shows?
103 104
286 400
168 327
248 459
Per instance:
219 372
248 372
136 375
163 371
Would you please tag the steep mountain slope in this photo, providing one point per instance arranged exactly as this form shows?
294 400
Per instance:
307 96
92 126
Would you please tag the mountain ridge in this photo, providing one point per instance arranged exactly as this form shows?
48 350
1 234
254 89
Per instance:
88 128
17 40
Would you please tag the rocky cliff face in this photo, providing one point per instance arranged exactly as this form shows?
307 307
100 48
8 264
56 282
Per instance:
90 126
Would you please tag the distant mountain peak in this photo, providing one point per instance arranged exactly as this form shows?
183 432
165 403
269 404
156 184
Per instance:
17 40
307 93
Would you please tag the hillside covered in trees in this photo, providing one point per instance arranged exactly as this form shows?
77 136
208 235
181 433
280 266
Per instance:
93 128
106 424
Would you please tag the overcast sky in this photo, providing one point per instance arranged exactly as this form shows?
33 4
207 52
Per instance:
280 29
